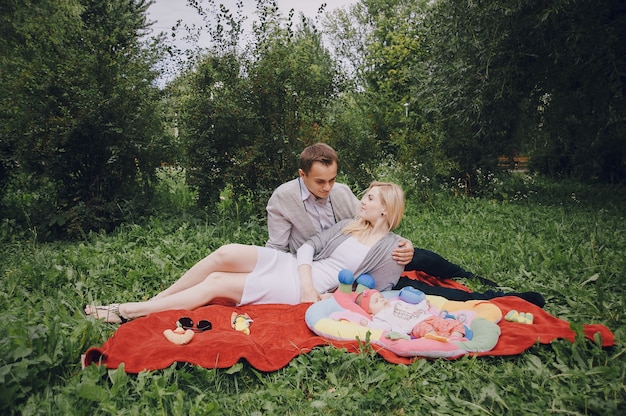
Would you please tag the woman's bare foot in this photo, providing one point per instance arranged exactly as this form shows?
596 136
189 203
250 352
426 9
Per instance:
109 313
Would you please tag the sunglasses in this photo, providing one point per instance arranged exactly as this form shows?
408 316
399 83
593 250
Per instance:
187 323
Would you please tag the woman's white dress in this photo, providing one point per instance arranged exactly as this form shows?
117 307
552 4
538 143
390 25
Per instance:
275 278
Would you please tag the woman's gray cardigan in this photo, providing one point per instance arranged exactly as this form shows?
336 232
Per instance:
377 263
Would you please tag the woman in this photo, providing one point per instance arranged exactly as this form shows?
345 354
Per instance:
258 275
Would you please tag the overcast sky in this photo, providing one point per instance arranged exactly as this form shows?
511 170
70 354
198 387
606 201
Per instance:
165 13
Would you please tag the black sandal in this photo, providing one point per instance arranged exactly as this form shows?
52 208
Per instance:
114 309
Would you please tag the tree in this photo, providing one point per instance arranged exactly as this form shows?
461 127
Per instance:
382 44
293 81
251 110
216 124
81 115
579 87
535 76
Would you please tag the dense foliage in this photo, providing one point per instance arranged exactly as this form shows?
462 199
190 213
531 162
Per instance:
249 111
541 78
80 124
444 87
562 239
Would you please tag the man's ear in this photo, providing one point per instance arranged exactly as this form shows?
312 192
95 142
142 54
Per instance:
301 173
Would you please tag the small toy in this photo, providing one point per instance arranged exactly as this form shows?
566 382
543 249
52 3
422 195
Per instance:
520 317
346 278
364 282
179 336
411 295
241 322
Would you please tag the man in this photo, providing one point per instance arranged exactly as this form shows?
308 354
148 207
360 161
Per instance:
305 206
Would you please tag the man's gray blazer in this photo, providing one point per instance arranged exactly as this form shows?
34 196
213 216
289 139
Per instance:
288 224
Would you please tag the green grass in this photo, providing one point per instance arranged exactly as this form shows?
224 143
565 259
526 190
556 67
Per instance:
565 240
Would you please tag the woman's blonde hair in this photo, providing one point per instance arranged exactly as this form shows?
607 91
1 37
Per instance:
392 198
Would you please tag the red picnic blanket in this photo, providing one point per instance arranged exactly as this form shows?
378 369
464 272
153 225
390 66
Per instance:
279 333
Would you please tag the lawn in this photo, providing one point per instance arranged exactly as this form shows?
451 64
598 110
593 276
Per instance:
564 239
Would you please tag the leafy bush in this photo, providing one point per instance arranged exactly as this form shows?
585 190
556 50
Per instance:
80 120
172 195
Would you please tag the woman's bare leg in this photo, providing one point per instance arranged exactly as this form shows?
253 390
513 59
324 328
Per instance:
223 285
235 258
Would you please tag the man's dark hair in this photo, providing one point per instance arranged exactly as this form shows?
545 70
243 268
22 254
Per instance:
318 152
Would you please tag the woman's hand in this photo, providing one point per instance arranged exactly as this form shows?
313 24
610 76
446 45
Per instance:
307 296
307 290
404 253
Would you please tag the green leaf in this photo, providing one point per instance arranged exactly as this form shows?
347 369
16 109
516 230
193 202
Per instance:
93 392
592 278
235 369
